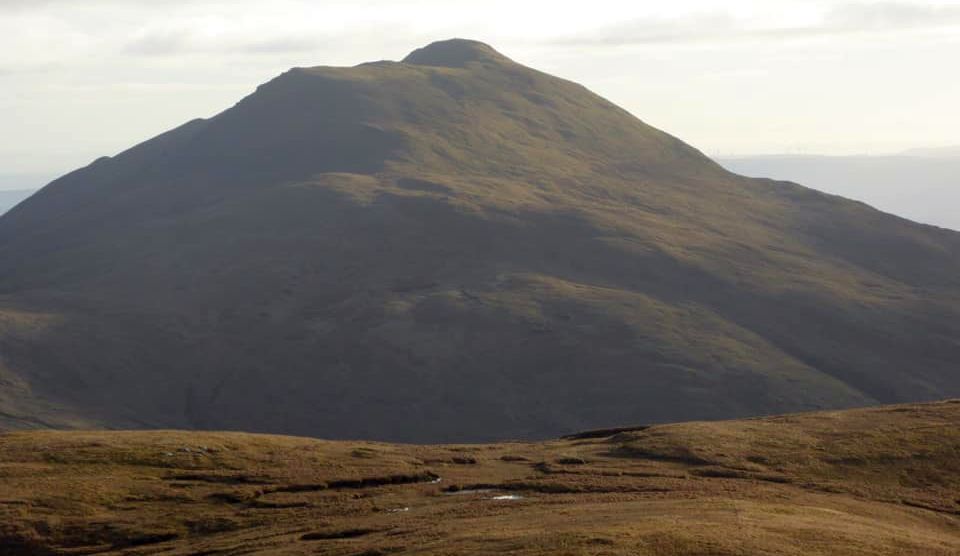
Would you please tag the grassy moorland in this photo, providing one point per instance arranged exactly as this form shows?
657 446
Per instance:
857 482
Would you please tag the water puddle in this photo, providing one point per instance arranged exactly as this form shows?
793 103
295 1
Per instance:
468 491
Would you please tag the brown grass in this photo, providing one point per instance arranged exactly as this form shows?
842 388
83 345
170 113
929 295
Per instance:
859 482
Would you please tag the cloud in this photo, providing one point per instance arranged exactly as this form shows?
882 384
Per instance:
844 19
33 68
182 41
153 44
284 45
886 16
168 44
21 5
653 30
36 5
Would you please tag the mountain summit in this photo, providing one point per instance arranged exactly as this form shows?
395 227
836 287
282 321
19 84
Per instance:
455 53
454 247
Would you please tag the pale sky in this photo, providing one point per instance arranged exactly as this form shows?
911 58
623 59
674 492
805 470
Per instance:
85 78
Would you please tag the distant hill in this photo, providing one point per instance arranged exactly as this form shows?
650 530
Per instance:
935 152
922 184
879 481
9 199
454 247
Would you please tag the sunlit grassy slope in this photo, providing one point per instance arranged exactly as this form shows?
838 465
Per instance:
456 247
879 481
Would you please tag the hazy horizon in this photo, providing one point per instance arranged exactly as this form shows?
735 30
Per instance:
921 186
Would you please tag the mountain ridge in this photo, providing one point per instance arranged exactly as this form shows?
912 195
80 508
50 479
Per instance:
9 198
432 253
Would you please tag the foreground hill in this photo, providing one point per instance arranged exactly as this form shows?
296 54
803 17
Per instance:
454 247
874 481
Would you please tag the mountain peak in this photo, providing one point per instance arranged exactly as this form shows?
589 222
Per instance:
454 53
466 243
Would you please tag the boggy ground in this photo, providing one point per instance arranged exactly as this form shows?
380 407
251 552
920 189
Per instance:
858 482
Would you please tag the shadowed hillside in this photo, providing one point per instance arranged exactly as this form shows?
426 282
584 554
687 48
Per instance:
454 247
878 481
10 198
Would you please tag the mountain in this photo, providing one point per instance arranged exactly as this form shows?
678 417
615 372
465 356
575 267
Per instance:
880 481
921 184
9 199
454 247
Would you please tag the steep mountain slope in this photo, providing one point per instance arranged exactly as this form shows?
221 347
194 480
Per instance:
457 247
10 198
877 481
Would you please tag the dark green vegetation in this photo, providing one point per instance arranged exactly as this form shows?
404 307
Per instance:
871 482
454 247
